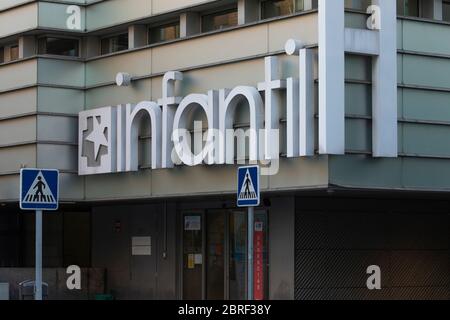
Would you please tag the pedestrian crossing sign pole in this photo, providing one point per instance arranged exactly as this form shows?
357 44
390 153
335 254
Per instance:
248 196
39 191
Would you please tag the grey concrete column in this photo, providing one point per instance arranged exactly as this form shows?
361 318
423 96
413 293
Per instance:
248 11
137 36
91 47
27 46
431 9
189 24
282 248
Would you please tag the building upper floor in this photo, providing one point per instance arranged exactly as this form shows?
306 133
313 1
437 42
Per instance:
100 28
60 73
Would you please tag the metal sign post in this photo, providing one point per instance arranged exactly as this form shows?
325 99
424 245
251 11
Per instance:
39 190
248 195
38 280
251 223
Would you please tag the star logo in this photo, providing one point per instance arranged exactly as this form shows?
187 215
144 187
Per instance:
97 136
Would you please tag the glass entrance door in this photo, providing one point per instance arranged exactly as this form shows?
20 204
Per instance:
215 254
237 272
192 256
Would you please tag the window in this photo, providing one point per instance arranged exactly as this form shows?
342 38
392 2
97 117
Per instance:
276 8
165 32
9 53
408 8
59 46
14 53
358 4
219 20
114 44
446 10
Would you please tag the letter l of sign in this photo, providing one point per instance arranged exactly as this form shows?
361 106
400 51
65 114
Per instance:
334 41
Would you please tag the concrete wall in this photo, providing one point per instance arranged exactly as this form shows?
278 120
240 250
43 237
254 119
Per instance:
38 120
45 105
19 19
424 116
128 276
155 277
9 240
38 110
94 14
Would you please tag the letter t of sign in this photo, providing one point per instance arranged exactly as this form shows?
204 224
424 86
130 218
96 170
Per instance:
272 109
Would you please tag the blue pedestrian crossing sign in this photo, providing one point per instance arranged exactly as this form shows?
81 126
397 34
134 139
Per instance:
248 187
39 189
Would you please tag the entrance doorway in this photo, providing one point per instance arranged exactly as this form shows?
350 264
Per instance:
215 254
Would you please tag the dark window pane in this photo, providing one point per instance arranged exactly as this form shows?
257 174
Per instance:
120 43
164 33
408 8
358 5
215 262
114 44
400 7
192 247
14 52
2 55
238 255
60 47
276 8
446 11
412 8
105 46
219 20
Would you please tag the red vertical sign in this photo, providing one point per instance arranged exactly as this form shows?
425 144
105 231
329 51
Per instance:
258 267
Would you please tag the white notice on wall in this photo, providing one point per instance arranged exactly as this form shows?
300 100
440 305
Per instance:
192 223
141 246
141 241
141 251
198 259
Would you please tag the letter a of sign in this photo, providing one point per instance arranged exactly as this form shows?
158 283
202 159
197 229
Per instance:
248 187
